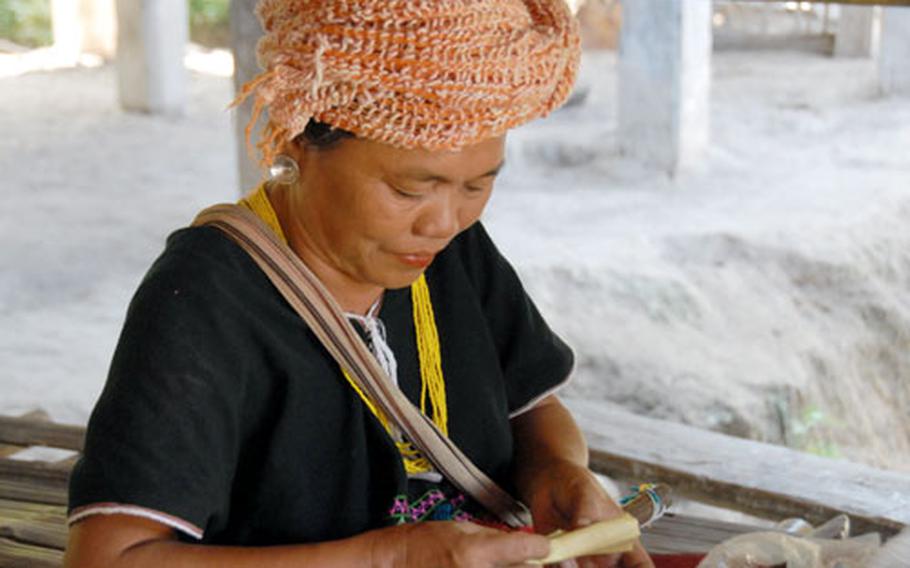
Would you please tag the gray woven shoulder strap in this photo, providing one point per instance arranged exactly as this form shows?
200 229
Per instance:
309 298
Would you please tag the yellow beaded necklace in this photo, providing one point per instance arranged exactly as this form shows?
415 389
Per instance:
433 385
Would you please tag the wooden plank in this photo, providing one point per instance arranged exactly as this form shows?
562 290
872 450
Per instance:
45 534
42 471
761 479
37 482
31 523
33 492
67 463
32 432
679 534
39 415
9 449
18 555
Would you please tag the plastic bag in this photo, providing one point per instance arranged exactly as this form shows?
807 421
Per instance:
775 549
895 553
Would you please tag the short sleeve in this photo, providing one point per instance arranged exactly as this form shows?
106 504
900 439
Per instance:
164 437
535 361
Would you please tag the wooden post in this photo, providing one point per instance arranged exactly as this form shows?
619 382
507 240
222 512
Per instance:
245 32
856 31
152 36
894 56
664 81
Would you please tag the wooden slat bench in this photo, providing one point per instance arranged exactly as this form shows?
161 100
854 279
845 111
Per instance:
33 493
738 474
764 480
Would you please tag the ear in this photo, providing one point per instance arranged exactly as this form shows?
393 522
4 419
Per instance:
294 149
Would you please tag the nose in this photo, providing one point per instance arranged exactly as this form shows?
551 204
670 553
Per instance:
439 219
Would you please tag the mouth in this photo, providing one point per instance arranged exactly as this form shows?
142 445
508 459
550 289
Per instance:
417 259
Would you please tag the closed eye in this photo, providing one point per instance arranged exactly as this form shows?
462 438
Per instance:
405 193
482 187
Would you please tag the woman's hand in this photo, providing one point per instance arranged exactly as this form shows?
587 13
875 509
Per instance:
449 544
566 496
553 479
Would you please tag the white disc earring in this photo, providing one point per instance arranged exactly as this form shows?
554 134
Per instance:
284 170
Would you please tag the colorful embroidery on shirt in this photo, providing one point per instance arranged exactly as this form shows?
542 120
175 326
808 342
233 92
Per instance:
435 506
431 506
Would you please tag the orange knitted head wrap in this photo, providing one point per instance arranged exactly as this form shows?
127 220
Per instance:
432 74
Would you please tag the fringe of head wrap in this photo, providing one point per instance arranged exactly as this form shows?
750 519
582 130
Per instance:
432 74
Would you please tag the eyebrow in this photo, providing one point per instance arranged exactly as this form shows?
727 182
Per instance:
424 175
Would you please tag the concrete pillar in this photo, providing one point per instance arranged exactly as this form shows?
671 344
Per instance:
84 26
99 27
245 32
894 56
665 81
856 31
152 37
66 28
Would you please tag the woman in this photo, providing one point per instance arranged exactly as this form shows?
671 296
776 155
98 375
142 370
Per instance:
227 436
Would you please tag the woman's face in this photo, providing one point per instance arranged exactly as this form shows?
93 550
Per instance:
377 215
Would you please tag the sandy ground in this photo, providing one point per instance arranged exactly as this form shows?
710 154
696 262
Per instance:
764 294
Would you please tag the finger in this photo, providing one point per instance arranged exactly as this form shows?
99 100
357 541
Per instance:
592 507
592 504
549 521
474 528
603 561
637 558
514 548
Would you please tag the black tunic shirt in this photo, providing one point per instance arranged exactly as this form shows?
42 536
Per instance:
223 413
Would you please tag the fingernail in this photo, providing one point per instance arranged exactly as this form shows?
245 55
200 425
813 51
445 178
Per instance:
583 522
